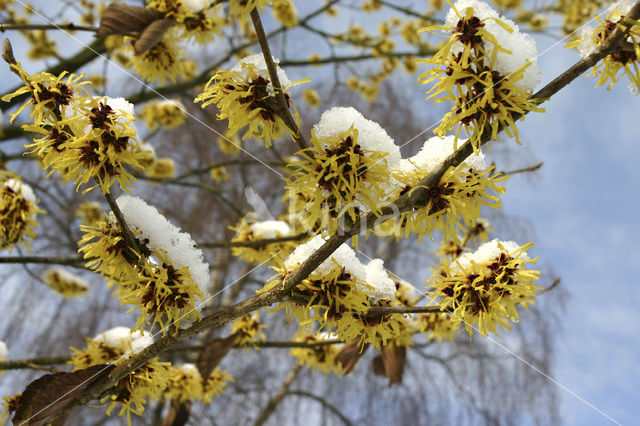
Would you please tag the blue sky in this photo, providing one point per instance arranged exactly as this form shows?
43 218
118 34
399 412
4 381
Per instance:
584 206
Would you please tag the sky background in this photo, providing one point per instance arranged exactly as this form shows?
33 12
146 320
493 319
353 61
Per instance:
582 207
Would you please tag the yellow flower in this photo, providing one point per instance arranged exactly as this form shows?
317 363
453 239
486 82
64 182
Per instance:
229 143
312 98
215 384
163 62
185 383
167 114
342 173
247 231
145 383
488 69
616 65
244 95
18 211
454 202
438 325
164 281
161 168
219 174
65 283
49 94
321 357
9 406
248 330
285 12
483 289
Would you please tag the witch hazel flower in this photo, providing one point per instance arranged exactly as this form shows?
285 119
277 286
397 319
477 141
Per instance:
487 68
450 205
483 289
165 277
245 96
338 294
346 169
624 62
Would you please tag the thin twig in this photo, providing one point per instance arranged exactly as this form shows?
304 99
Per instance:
283 111
550 287
65 27
279 396
254 243
524 170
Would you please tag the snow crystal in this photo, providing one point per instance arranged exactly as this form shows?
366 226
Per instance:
260 65
371 136
343 256
22 188
521 46
121 337
377 277
270 229
4 351
489 251
163 235
434 151
189 368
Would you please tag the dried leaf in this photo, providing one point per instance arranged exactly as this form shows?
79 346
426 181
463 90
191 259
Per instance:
211 356
394 358
51 393
152 35
124 19
349 355
377 364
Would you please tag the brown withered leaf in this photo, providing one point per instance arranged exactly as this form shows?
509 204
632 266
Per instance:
394 358
213 353
121 18
49 394
377 364
152 35
349 355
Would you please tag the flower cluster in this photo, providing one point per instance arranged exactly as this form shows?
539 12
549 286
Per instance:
345 171
163 277
320 357
487 68
84 138
132 392
338 294
245 96
196 19
89 212
483 288
285 12
248 330
18 211
166 114
269 231
438 325
625 61
65 283
455 201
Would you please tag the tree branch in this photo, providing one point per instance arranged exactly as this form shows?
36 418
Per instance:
282 392
283 110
